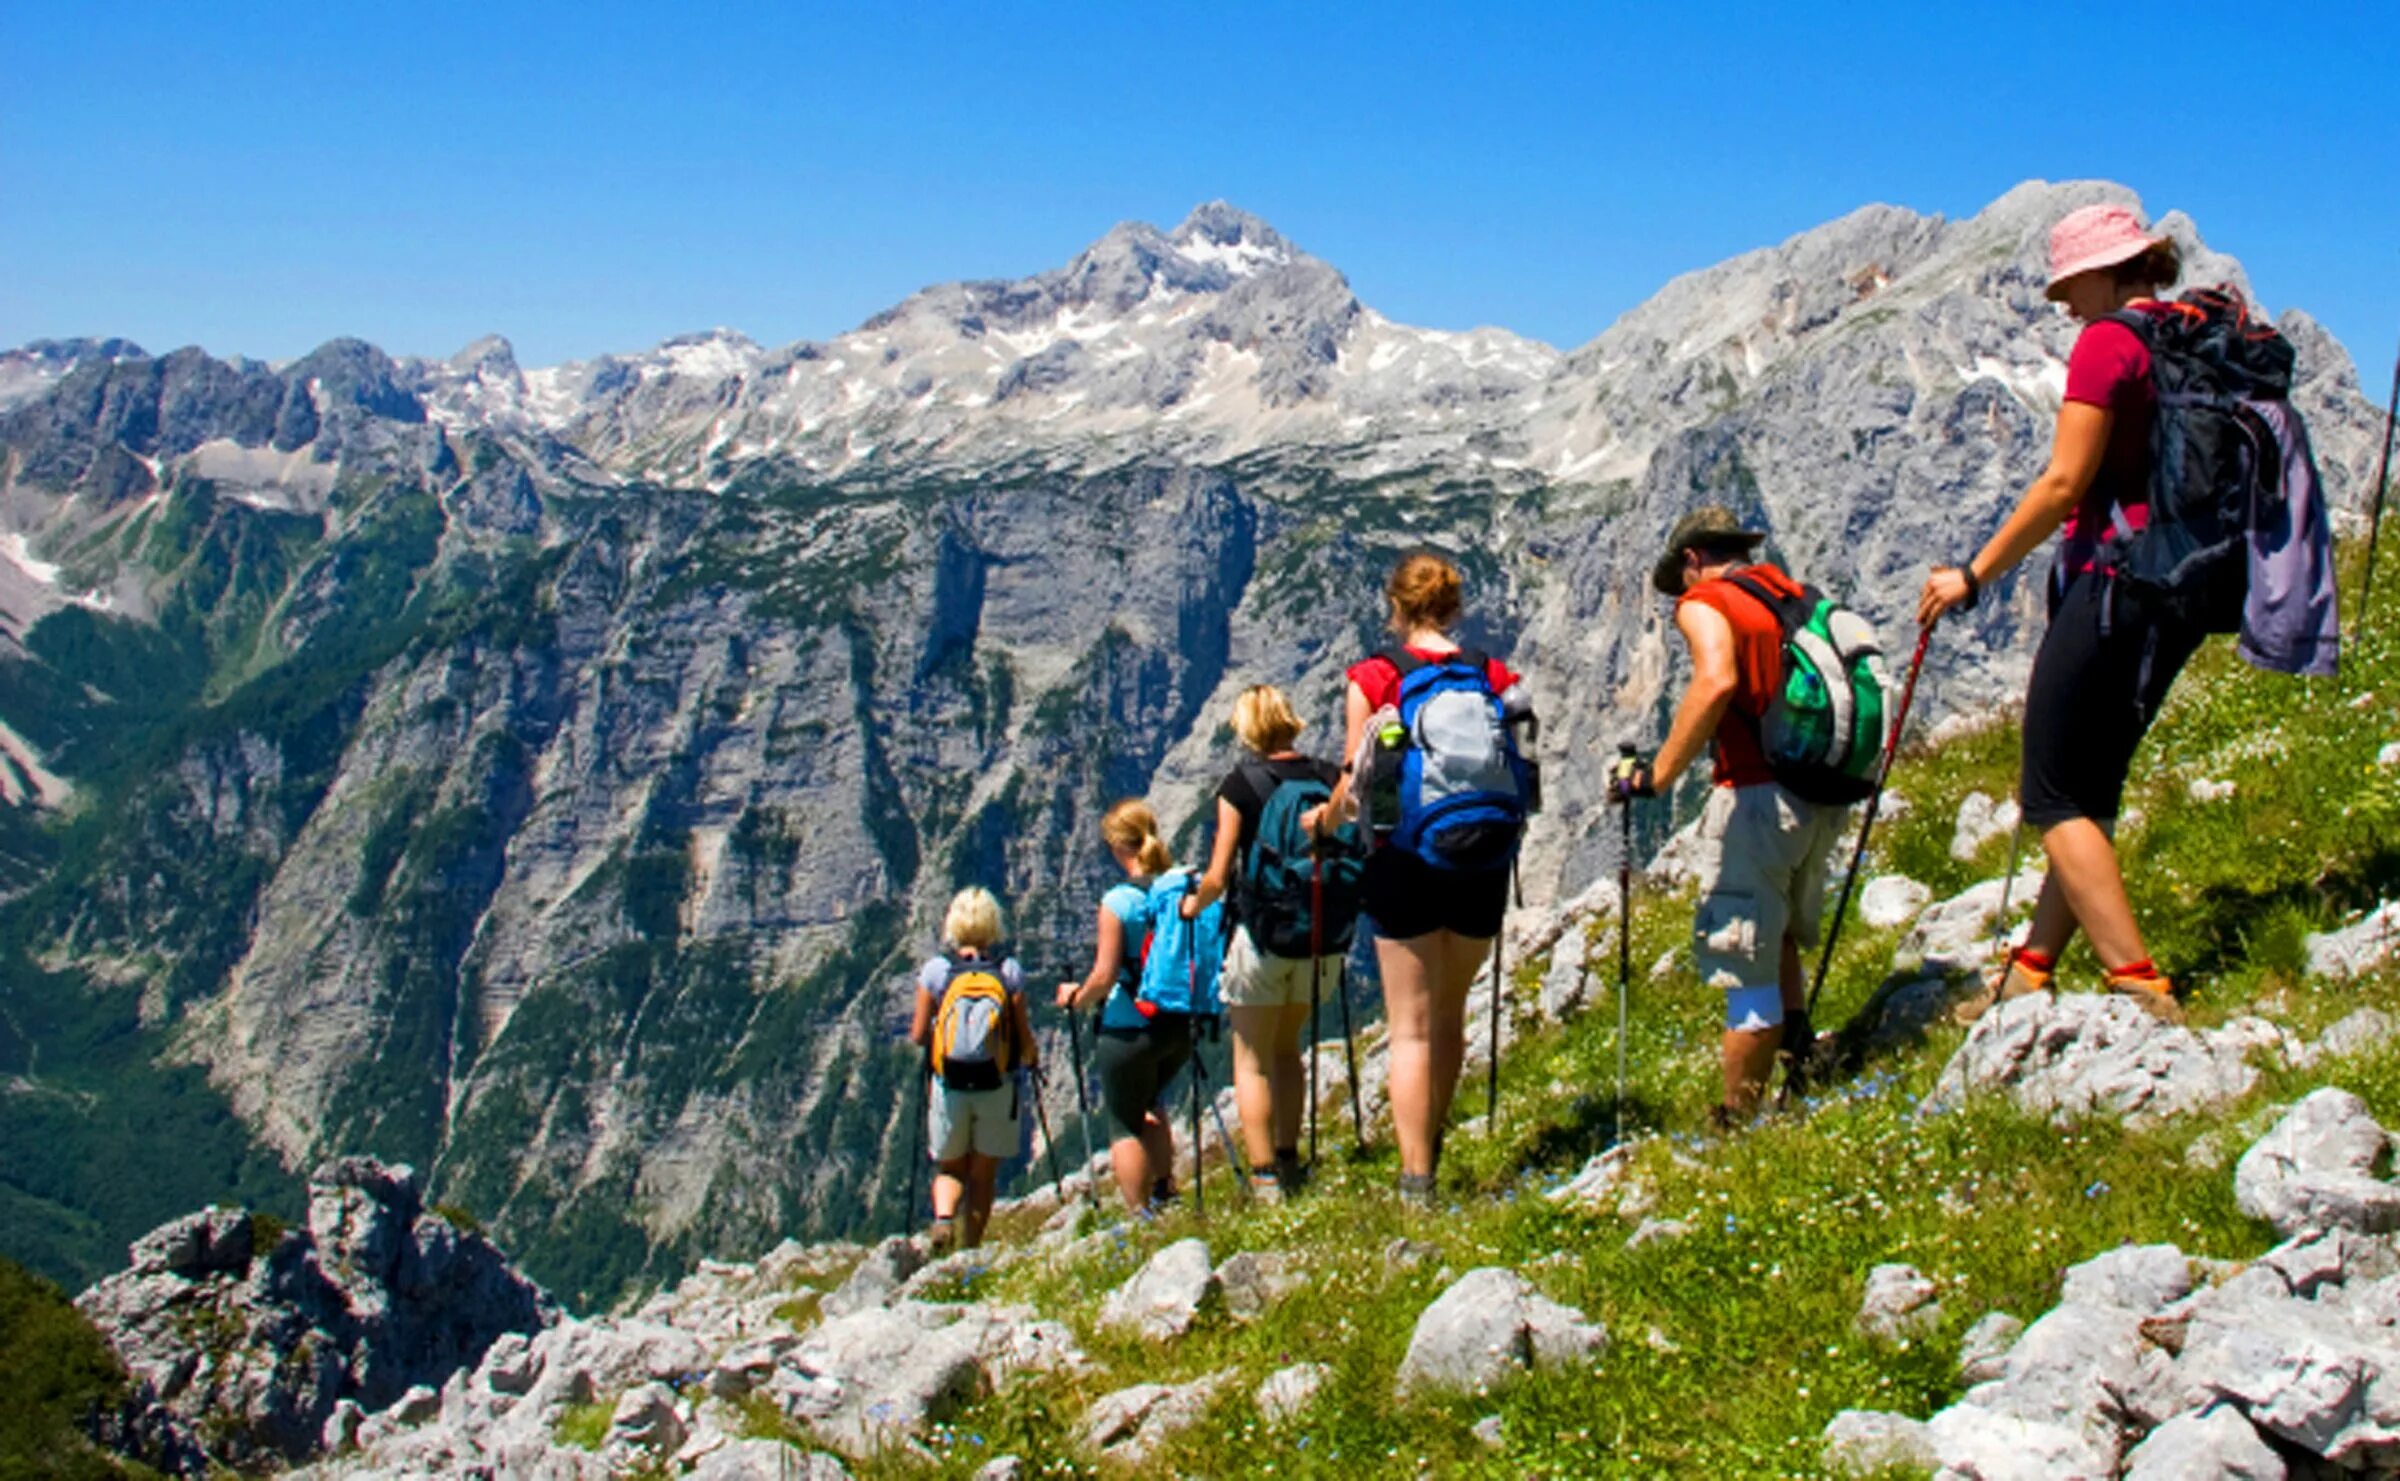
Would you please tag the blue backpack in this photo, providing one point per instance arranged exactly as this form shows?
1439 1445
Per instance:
1181 959
1450 784
1295 895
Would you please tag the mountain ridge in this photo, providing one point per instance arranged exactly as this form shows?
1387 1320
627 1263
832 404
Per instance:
556 807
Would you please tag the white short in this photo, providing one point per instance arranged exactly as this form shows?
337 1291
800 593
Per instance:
1255 979
984 1121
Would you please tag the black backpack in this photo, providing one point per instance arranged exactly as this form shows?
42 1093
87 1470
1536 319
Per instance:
2216 455
1292 896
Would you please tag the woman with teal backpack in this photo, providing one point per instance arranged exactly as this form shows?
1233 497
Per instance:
1138 1053
1268 989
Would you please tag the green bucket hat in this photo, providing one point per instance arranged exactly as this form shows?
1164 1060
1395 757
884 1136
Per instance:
1710 524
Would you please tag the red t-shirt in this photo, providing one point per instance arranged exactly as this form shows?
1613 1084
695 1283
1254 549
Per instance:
2110 368
1741 759
1379 678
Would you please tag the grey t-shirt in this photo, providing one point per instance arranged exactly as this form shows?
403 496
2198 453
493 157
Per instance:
936 975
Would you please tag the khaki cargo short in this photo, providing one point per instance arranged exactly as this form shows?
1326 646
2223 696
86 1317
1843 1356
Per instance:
1256 979
1770 879
982 1121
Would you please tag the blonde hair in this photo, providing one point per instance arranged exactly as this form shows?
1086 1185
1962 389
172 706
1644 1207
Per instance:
1264 721
1424 592
1131 826
973 920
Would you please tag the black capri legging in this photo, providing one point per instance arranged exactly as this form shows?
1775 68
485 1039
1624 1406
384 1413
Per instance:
1137 1064
2092 696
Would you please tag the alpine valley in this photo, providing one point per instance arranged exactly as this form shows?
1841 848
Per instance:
548 778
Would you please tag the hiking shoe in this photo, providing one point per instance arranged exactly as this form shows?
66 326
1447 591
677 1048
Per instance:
2018 979
1416 1190
2154 994
942 1238
1291 1172
1266 1186
1724 1120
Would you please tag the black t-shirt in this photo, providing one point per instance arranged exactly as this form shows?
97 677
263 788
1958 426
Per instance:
1247 790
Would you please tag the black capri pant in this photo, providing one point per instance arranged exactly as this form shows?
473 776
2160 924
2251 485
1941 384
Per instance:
2093 695
1137 1065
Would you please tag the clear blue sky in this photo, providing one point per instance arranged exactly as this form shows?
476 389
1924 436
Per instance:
583 178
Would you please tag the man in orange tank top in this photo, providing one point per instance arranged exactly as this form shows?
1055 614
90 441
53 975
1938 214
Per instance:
1764 895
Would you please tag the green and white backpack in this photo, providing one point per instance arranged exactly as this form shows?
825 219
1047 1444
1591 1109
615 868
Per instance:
1823 732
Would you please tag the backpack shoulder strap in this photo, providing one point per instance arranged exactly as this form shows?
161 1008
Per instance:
1766 596
2143 326
1398 656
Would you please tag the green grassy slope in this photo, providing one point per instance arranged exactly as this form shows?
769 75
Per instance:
1733 1347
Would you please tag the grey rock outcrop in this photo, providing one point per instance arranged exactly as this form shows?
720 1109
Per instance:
1166 1296
1130 1423
1983 1351
1899 1303
1286 1393
244 1353
1864 1442
2318 1169
1489 1326
2215 1443
2358 947
2080 1054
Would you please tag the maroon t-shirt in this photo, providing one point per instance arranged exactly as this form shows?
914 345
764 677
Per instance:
2110 368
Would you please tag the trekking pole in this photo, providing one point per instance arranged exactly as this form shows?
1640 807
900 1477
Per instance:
1316 978
1233 1157
1199 1183
1083 1106
1041 1118
1883 772
916 1149
1616 1134
2008 884
2383 472
1358 1120
1491 1097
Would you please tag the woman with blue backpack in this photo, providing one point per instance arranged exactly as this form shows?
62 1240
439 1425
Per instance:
1152 975
1292 925
971 1021
1436 771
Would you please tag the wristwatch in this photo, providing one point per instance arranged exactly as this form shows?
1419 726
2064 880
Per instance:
1966 569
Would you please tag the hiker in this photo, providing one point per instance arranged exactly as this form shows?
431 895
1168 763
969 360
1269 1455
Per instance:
1767 896
1267 993
1434 922
2109 653
971 1020
1137 1054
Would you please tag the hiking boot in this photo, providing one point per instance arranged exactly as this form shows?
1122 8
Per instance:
1291 1172
941 1239
2018 979
1416 1190
1724 1120
1266 1186
2153 993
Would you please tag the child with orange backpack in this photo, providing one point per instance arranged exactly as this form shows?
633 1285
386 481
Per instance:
972 1022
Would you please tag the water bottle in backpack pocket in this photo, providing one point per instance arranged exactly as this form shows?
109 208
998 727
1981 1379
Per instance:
1458 785
1181 959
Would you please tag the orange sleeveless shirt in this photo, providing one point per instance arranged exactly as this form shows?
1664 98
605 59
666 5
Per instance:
1741 761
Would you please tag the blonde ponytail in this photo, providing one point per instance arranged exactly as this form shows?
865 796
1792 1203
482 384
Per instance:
1131 826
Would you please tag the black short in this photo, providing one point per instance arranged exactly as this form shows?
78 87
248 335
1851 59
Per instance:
1405 896
2091 697
1137 1065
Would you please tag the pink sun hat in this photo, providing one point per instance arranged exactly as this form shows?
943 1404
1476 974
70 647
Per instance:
2095 236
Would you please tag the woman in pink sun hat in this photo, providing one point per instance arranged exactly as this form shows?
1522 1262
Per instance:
2107 657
